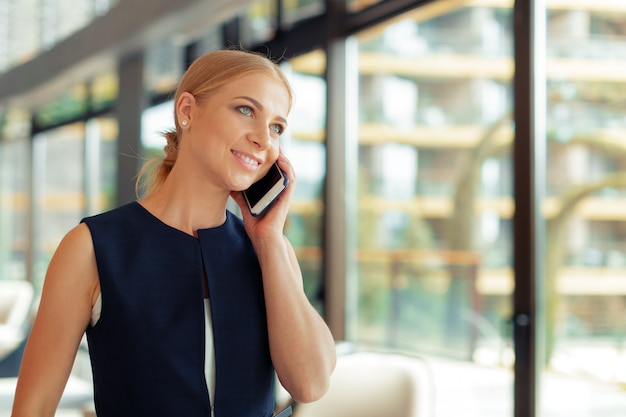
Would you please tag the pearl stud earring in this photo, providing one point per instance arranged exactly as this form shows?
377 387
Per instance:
184 123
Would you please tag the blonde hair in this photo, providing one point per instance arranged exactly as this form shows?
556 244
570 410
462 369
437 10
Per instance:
202 79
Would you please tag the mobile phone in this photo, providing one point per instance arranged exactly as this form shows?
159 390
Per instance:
264 192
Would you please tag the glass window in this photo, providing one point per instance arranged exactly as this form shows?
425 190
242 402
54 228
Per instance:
101 150
14 208
14 193
585 276
434 241
304 144
58 195
154 121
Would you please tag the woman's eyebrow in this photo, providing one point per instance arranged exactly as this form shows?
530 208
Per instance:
260 106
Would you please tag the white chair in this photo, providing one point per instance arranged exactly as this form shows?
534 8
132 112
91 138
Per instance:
17 305
368 384
16 300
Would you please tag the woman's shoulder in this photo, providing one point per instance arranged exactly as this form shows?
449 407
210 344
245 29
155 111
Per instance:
75 252
77 239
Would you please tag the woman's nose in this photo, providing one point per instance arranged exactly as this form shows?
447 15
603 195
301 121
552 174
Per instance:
261 137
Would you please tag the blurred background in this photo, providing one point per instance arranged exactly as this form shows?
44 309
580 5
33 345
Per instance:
462 175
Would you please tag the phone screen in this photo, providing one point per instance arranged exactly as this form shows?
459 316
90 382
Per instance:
262 193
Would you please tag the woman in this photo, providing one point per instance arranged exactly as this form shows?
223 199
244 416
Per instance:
135 277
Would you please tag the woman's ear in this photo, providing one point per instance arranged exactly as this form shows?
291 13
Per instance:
184 105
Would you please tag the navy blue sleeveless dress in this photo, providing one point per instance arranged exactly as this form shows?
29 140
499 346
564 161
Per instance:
148 348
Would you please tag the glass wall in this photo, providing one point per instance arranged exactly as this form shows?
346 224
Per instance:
58 197
101 153
74 174
14 207
434 245
433 254
585 277
304 144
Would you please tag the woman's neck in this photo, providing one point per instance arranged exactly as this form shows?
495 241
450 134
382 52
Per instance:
181 205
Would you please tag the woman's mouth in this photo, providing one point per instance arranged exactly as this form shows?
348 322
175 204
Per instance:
251 162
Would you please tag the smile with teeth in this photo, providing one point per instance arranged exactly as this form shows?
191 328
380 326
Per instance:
247 159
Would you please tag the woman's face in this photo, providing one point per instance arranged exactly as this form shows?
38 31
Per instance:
233 136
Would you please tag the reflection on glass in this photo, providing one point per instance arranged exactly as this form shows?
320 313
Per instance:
435 199
304 145
585 277
59 198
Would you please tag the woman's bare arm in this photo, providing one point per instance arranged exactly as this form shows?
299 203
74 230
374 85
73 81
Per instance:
301 344
69 290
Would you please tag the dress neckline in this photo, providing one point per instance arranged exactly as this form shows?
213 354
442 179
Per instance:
163 224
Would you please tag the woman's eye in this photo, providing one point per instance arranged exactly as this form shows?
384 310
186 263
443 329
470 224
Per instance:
278 129
245 110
